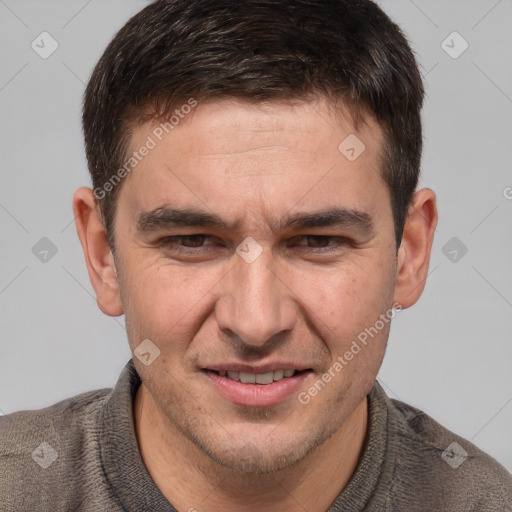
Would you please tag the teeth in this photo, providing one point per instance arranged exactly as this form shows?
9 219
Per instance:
265 378
259 378
278 374
247 378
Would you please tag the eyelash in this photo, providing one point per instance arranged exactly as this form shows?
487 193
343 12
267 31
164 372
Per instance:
170 242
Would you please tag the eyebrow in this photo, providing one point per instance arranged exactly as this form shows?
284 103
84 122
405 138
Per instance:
165 217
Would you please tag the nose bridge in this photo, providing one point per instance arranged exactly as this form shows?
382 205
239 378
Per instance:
255 305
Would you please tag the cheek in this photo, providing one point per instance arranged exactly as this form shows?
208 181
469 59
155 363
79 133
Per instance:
348 306
348 298
164 302
170 304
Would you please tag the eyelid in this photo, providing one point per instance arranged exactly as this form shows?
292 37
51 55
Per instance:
336 241
172 242
168 240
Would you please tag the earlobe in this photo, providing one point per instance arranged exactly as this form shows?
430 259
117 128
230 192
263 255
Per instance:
98 256
414 252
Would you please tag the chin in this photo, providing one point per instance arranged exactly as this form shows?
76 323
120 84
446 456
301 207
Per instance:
258 456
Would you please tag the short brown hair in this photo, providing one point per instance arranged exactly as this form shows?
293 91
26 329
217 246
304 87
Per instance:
255 50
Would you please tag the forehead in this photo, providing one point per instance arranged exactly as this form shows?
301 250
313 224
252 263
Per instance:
233 126
268 154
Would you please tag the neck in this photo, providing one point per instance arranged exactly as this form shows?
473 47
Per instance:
180 470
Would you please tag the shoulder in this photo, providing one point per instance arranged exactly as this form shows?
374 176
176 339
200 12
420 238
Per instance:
444 466
41 449
60 418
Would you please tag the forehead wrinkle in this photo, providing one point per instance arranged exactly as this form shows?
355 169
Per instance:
254 150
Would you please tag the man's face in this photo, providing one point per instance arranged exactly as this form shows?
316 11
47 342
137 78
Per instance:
294 296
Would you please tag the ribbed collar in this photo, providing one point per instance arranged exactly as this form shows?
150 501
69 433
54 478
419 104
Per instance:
122 462
367 488
135 489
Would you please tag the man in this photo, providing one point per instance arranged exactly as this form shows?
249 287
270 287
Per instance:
255 217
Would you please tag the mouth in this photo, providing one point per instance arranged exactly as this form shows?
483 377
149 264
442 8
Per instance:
257 378
256 388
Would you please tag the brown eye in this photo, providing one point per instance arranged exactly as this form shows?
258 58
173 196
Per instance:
183 242
192 240
318 241
321 241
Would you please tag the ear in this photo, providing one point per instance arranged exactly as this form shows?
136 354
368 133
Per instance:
98 257
415 248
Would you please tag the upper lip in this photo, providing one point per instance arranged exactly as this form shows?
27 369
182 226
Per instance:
263 368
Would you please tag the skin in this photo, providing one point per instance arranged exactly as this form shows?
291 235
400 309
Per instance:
255 165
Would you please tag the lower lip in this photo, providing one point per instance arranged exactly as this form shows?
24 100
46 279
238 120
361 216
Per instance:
257 395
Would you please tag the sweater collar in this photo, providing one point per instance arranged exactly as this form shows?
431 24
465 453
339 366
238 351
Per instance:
129 479
121 459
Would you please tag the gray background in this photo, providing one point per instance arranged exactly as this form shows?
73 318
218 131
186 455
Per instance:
450 355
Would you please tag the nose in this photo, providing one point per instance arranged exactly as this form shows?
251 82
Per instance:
255 304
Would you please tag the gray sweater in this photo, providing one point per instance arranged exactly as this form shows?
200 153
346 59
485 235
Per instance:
81 454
